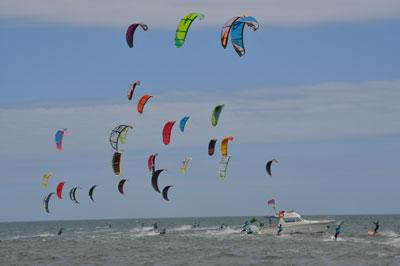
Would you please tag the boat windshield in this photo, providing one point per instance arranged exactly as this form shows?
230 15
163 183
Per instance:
292 219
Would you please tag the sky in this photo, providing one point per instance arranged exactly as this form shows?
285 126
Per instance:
318 90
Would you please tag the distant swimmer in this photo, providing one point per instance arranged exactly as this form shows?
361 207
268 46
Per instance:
60 231
155 226
279 229
163 231
221 227
338 230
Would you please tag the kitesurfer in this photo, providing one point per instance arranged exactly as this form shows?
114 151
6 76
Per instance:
279 229
338 229
376 226
60 231
155 226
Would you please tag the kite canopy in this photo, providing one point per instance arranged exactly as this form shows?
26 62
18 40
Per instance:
224 145
72 194
59 137
165 192
166 134
118 135
151 162
215 114
182 123
226 30
142 102
211 146
183 27
268 166
154 179
46 202
131 31
185 165
131 89
45 179
237 32
223 166
60 187
116 163
121 186
91 192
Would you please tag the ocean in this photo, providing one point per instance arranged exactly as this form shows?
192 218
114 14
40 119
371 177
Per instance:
134 242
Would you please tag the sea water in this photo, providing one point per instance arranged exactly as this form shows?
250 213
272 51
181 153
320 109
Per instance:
134 242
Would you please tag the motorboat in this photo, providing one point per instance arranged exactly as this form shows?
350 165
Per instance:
293 223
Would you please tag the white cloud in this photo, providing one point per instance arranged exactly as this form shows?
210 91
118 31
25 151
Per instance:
321 111
165 14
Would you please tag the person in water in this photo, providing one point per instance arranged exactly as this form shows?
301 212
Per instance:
163 231
376 226
279 229
338 229
155 226
60 231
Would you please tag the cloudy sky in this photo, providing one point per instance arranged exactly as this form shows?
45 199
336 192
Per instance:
318 90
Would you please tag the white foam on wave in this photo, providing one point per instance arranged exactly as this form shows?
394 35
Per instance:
43 235
390 234
143 231
182 228
218 232
394 242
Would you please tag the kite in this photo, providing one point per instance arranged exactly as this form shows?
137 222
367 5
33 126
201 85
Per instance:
183 27
59 138
224 145
166 134
142 102
154 179
211 146
60 187
182 123
151 162
46 202
131 89
226 30
72 194
268 166
91 192
116 163
223 165
215 114
121 186
165 192
118 135
45 179
131 30
185 165
237 32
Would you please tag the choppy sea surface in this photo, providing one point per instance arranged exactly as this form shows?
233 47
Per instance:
134 242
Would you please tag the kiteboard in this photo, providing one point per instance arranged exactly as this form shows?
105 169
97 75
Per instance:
372 233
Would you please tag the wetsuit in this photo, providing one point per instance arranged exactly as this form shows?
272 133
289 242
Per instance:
337 231
376 226
279 229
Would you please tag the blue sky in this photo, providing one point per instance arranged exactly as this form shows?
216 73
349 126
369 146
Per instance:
318 93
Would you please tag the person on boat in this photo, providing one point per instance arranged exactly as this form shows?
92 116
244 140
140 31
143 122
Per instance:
279 229
60 231
338 229
376 226
155 226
